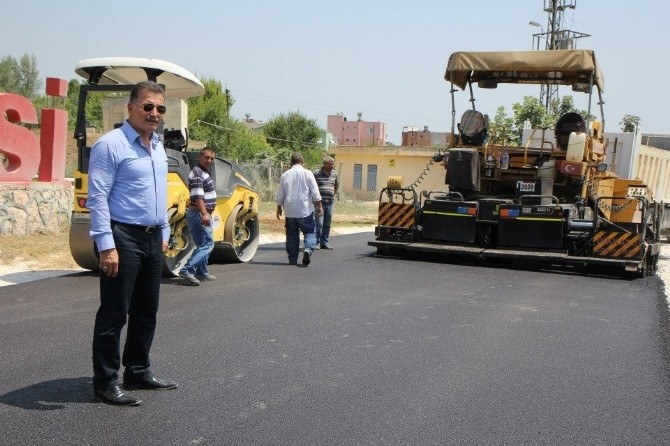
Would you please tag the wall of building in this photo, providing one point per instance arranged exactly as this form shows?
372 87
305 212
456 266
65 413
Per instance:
661 141
653 167
356 132
412 137
376 164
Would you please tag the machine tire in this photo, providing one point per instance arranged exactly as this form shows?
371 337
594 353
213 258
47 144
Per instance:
240 239
175 258
82 246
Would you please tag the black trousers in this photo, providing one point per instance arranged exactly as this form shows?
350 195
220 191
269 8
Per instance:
132 294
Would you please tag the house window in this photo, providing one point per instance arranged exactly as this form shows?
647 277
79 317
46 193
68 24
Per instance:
372 177
358 176
371 130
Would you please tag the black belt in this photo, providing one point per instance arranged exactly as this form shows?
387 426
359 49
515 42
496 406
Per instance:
148 229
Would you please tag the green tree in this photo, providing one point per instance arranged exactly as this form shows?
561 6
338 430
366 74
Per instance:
294 132
210 121
249 144
234 141
214 106
565 105
537 115
20 76
29 77
93 105
629 123
9 81
530 110
210 116
502 129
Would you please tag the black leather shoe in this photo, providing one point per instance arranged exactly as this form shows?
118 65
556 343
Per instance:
114 395
150 383
326 247
306 258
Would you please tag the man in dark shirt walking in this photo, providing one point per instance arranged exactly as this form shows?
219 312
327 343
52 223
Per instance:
326 179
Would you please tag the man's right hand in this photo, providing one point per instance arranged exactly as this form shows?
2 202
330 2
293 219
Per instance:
109 262
278 212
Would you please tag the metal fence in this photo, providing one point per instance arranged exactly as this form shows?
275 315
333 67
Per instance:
264 175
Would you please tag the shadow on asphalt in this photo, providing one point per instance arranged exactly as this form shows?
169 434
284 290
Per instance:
511 264
272 248
51 395
255 262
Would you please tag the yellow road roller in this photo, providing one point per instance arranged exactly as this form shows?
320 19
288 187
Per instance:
234 220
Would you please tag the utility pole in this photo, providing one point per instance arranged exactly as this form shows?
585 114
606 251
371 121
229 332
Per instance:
556 38
227 92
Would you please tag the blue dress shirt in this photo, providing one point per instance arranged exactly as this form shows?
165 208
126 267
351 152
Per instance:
126 183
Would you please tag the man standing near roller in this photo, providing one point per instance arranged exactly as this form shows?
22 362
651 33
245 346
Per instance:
127 196
199 218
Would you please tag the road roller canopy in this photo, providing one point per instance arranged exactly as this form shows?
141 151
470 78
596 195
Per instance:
576 68
178 81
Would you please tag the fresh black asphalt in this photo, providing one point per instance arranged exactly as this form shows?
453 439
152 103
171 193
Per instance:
353 350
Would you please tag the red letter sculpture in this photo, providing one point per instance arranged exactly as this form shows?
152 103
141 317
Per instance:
18 143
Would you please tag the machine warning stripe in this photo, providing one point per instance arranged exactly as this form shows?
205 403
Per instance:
617 245
396 215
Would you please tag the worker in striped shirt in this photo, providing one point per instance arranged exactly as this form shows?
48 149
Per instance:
326 179
199 218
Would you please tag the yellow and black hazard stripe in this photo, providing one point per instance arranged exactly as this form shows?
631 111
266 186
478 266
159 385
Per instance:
617 245
396 215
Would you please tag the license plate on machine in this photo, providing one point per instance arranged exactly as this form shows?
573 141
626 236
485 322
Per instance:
636 191
526 186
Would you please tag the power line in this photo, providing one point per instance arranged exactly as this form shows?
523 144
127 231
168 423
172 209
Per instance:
328 108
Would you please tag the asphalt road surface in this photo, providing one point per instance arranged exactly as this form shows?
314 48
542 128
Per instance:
353 350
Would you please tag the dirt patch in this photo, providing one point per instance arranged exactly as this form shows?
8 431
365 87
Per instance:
40 251
52 251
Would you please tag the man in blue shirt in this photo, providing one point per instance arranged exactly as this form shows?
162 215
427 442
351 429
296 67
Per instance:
127 197
199 218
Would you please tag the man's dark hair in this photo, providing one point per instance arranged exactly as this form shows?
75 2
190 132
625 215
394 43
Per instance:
150 86
296 158
207 149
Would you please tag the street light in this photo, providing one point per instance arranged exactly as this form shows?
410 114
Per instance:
534 23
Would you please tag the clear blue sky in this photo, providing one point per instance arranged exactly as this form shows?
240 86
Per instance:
384 58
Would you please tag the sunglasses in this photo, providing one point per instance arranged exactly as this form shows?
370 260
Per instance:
161 109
